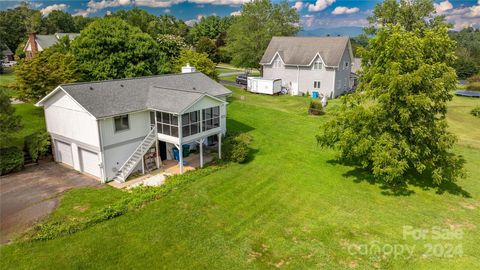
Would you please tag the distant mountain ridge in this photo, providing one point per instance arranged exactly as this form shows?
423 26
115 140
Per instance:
352 31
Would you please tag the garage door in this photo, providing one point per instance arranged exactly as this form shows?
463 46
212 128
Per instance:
64 153
89 162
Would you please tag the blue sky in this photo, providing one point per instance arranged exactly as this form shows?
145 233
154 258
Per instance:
314 13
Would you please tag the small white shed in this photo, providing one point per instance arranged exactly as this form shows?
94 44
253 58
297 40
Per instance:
264 86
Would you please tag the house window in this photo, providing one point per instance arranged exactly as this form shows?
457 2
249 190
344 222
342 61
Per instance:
345 66
316 84
121 123
190 123
211 118
317 65
277 63
167 124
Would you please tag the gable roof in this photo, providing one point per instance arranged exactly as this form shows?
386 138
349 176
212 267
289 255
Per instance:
302 50
169 93
46 41
5 50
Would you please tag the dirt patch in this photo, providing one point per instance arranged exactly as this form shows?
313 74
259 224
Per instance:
32 194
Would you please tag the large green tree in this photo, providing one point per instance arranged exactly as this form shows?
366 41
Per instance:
9 122
110 48
467 51
15 24
58 22
395 122
210 27
260 20
38 76
411 14
200 61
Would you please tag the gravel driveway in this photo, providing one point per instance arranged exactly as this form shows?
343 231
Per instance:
33 193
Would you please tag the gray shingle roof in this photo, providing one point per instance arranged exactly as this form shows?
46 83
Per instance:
5 50
171 93
302 50
46 41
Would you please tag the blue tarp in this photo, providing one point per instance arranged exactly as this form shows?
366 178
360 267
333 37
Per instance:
466 93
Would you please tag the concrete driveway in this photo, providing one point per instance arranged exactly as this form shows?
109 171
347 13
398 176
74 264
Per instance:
29 195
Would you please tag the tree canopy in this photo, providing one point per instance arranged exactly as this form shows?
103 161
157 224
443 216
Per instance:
200 61
38 76
260 20
59 22
9 122
395 121
110 48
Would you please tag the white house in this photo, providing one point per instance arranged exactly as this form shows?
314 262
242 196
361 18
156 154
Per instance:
307 64
107 128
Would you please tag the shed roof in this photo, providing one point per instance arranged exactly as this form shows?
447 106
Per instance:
302 50
170 93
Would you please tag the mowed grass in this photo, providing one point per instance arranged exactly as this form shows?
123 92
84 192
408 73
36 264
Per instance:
292 206
462 123
6 80
33 121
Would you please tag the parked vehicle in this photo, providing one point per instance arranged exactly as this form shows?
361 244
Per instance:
8 64
241 79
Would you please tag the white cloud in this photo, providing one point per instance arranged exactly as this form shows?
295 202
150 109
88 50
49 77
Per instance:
167 10
236 13
320 5
443 6
464 16
191 22
94 6
47 10
345 10
157 3
298 6
219 2
310 21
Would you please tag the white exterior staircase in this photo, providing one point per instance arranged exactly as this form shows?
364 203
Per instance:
136 156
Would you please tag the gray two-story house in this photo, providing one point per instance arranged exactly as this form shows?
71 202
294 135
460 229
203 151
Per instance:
307 64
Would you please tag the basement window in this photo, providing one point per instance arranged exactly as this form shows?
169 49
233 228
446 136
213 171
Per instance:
121 123
316 84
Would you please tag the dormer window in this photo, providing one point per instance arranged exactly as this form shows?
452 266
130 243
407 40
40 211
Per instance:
277 63
317 65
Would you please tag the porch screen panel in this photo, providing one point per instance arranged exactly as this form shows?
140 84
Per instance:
167 124
211 118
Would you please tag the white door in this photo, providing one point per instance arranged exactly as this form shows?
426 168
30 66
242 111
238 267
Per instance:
89 162
64 153
294 88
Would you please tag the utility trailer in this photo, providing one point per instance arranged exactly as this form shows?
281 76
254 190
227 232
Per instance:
264 86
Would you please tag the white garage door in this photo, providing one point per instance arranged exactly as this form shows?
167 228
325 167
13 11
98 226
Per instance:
89 162
64 153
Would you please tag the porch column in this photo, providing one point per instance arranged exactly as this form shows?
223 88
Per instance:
201 152
180 157
219 146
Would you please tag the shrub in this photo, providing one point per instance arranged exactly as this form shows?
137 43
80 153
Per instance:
11 160
475 111
474 86
474 78
235 147
37 145
315 107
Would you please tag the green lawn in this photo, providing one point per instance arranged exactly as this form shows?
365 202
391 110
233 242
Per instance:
6 80
291 206
32 120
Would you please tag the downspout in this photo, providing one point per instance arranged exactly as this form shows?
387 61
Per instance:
298 79
103 168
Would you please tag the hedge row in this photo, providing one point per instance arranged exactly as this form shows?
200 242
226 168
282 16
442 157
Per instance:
12 158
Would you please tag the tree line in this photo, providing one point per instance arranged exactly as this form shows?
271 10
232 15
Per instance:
136 43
